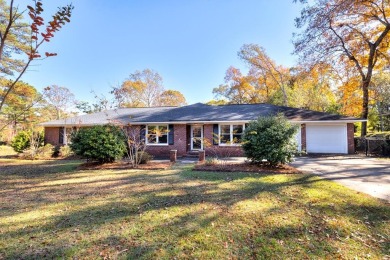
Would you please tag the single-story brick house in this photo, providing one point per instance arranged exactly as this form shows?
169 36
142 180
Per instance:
194 127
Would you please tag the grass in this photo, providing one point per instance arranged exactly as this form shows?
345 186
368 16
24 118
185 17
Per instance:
6 151
49 209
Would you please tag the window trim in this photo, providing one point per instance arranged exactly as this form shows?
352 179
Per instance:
157 137
230 132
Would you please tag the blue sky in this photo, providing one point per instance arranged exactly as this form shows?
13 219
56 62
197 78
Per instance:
190 43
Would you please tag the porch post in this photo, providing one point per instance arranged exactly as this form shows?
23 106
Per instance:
202 155
173 155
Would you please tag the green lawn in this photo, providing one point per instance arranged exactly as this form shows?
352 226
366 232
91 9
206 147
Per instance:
48 209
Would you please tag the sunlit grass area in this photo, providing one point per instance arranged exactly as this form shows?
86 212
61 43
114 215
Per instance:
6 150
49 209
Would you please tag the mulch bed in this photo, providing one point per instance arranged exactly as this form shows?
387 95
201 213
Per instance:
124 165
247 167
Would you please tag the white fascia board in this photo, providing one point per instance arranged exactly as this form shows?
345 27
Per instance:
190 122
208 122
330 121
246 121
68 125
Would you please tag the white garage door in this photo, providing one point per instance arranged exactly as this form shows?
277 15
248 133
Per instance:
326 138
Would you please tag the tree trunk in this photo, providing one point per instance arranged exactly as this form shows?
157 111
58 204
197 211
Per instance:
365 85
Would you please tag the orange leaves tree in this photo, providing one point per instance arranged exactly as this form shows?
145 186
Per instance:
18 37
349 34
238 88
275 76
265 82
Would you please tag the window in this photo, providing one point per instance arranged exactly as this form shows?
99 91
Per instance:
157 134
231 134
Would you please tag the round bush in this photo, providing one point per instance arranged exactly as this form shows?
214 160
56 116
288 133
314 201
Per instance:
21 141
271 139
102 143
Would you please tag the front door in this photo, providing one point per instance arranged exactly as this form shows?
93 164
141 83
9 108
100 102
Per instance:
196 137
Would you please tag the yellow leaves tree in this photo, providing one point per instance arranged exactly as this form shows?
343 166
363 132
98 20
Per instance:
141 89
20 109
269 73
145 89
266 82
238 88
312 89
351 97
172 98
349 34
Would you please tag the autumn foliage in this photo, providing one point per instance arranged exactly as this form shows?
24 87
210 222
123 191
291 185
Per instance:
39 36
15 38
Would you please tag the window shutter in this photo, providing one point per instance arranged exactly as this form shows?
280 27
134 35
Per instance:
171 135
61 136
215 134
142 133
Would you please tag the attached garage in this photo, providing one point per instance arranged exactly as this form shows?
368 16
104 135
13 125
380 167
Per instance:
326 138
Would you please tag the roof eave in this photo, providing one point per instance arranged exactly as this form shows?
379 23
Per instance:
208 122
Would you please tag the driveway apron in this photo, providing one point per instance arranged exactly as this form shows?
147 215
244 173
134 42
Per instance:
363 174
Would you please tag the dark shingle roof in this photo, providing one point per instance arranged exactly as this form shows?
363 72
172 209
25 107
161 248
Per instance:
198 113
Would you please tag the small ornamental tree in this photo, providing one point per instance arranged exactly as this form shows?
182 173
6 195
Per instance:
270 138
102 143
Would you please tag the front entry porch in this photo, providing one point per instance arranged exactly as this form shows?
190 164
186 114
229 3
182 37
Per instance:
196 137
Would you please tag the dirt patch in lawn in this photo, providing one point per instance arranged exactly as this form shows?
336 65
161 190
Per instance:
124 165
247 167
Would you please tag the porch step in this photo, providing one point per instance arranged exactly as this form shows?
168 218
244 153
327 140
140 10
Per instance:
193 154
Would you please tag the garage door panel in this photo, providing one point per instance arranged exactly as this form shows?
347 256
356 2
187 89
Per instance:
326 138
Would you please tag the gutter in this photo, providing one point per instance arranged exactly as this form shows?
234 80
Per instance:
210 122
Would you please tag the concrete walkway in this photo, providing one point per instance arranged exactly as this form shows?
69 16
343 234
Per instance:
363 174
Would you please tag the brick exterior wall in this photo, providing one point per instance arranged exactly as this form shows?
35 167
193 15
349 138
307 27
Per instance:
303 137
180 144
217 150
350 138
52 135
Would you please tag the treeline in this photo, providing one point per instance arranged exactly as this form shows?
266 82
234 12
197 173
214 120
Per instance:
25 107
318 87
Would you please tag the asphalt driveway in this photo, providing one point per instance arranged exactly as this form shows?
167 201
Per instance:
363 174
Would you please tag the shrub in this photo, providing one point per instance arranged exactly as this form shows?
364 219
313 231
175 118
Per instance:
144 157
46 152
22 140
102 143
211 161
43 152
271 139
65 151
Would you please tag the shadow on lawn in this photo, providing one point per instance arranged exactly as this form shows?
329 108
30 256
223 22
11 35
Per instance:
33 169
150 190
